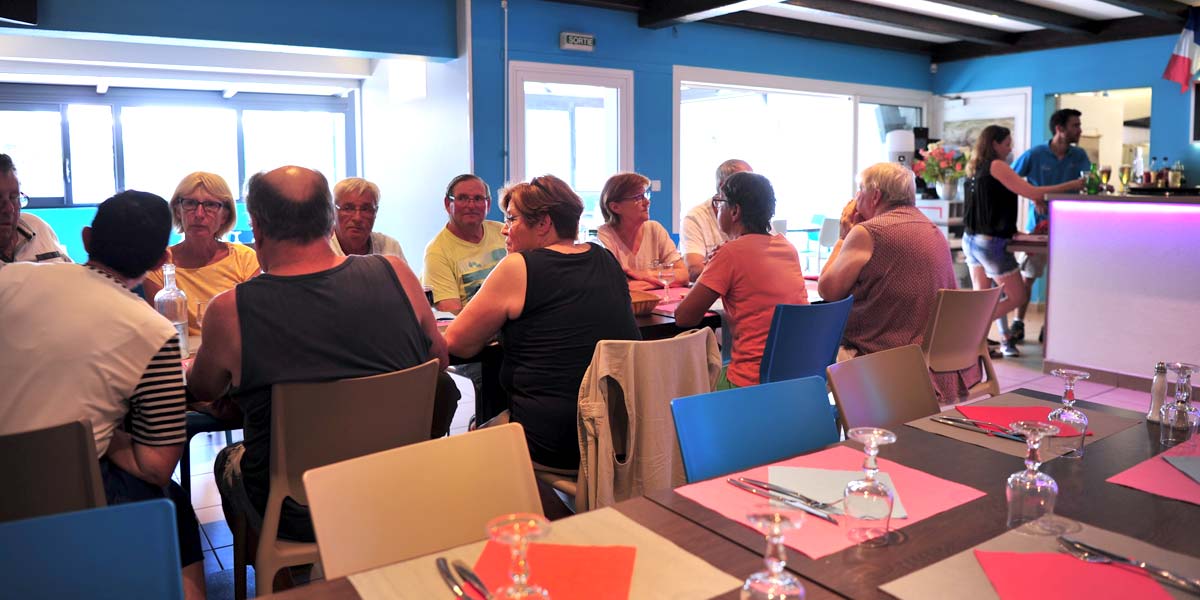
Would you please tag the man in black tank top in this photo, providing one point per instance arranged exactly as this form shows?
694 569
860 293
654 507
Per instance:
311 316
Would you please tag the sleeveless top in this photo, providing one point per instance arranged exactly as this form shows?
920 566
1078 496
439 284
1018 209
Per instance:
991 208
352 320
896 290
572 301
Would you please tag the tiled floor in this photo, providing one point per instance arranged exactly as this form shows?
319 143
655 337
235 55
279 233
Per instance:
1021 372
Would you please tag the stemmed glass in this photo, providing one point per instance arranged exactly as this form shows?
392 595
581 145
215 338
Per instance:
1030 493
1105 175
773 520
1179 419
516 531
868 512
665 272
1068 417
1123 175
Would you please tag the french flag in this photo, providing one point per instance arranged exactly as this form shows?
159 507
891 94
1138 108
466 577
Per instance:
1185 60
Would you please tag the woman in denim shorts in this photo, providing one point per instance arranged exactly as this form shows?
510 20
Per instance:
991 220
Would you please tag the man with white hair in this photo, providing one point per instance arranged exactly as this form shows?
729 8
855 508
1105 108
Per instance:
357 202
701 234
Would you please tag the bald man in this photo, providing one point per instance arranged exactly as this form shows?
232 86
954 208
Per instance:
311 316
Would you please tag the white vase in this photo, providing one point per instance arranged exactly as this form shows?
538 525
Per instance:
947 190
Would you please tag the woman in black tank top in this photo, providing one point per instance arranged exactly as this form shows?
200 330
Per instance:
551 300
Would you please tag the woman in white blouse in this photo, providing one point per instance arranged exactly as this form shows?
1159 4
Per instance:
632 237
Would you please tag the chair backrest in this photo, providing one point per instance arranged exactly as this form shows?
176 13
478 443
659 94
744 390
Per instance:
316 424
803 339
817 220
958 327
123 551
732 430
422 498
831 229
779 226
57 472
883 389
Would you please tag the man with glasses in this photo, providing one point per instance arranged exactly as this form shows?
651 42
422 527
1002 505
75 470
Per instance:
462 255
357 201
23 237
701 234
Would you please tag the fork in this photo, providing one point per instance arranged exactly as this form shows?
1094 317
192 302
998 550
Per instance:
1085 553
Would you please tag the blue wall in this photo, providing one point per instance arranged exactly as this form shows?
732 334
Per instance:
1115 65
534 26
420 27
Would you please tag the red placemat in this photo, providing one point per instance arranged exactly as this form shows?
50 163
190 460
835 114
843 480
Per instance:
1003 415
924 496
1049 576
1158 477
601 572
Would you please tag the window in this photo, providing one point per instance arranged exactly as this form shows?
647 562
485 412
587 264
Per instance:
572 122
73 146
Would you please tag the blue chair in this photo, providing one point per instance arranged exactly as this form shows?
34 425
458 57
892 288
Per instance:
118 552
732 430
803 340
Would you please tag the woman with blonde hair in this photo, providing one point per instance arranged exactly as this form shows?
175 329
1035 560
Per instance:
990 221
202 209
632 237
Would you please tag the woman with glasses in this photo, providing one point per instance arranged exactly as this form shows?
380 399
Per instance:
202 209
551 299
632 237
751 273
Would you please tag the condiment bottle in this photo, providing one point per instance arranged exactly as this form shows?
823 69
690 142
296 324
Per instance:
1158 392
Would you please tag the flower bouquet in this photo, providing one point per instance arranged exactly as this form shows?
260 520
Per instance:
940 164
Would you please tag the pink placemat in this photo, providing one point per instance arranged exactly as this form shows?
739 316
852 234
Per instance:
1158 477
1005 415
1054 576
924 496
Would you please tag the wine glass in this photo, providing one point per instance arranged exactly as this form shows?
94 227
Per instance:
773 583
516 531
1067 417
1030 493
1123 174
868 510
665 272
1105 174
1179 419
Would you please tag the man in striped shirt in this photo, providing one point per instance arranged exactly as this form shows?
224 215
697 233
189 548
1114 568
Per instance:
78 344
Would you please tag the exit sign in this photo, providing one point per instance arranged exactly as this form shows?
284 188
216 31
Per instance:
584 42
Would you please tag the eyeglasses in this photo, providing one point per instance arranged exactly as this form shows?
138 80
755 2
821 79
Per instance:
193 205
466 199
17 201
365 209
642 197
717 200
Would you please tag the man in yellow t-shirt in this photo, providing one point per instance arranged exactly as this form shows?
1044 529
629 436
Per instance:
463 253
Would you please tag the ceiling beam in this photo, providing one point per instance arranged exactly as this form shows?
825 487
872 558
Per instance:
817 31
1110 31
1164 10
658 14
1027 13
911 21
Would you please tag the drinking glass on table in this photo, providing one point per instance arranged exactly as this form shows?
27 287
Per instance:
1179 419
665 272
517 530
1031 493
1068 418
773 520
869 502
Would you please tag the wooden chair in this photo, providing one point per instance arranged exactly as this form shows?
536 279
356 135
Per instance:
884 389
956 337
49 471
316 424
423 498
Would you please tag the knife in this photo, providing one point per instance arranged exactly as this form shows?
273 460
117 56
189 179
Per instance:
1007 436
820 514
470 577
1173 579
985 424
448 578
786 492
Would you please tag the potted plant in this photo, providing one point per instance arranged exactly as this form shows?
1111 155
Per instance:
942 167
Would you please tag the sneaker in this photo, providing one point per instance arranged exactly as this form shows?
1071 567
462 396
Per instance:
1018 331
992 342
994 353
1009 348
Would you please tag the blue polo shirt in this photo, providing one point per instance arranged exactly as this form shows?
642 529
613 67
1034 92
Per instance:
1041 167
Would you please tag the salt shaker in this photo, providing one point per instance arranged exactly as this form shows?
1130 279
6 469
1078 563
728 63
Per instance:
1158 392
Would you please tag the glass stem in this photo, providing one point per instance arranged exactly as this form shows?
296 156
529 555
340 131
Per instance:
776 555
518 568
1032 460
1069 393
870 467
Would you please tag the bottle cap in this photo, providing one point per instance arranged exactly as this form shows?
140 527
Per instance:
1160 367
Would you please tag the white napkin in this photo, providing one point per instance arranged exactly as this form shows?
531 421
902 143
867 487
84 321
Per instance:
828 485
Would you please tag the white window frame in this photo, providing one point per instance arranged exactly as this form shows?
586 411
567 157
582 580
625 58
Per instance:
521 71
858 92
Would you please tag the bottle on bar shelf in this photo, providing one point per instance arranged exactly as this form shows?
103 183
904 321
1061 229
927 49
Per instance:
1148 177
1164 173
1177 178
1139 165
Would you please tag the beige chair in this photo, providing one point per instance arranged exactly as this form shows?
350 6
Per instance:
884 389
49 471
956 337
316 424
423 498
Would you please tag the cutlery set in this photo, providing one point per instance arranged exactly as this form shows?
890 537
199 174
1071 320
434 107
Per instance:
989 428
785 496
468 576
1092 554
